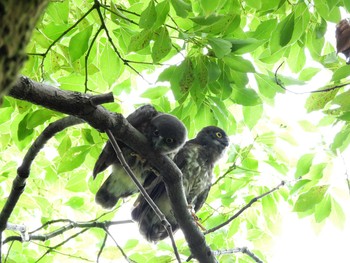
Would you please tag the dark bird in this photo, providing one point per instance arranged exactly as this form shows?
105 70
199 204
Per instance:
196 160
164 132
342 35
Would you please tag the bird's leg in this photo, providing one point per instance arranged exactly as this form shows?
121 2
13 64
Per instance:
138 157
196 218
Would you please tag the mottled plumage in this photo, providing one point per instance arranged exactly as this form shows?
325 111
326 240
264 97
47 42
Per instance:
196 161
165 133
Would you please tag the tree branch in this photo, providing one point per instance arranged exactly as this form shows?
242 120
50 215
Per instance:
243 250
279 83
255 199
70 225
79 105
19 182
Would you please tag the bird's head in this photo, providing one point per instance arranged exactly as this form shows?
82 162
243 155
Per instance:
214 137
167 133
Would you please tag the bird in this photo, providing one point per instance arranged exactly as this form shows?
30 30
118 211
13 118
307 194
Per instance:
196 160
342 35
165 134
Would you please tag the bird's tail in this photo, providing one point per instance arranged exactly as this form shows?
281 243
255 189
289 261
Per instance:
150 225
117 185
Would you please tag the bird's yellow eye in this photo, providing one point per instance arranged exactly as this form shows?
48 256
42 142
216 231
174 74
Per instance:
218 134
169 140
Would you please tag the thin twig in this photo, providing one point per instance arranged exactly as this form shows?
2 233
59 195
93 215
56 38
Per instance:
243 250
62 243
59 37
255 199
110 40
101 248
149 200
279 83
87 56
119 247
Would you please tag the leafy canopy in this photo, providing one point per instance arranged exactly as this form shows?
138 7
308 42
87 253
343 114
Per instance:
209 63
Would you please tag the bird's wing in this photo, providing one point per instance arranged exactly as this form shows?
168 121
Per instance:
200 200
142 115
140 118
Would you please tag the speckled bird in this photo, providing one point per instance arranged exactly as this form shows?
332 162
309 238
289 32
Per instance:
196 161
164 132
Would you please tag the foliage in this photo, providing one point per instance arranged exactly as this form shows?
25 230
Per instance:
209 63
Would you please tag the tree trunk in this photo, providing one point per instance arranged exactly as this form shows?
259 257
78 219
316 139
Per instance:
17 21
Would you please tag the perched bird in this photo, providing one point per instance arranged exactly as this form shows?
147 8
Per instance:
342 35
196 160
164 132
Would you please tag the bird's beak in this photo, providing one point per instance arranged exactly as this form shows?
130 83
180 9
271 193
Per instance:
157 144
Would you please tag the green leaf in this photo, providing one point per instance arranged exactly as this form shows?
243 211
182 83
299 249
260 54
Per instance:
304 164
23 131
59 11
148 16
287 29
73 158
65 144
318 101
155 93
86 133
252 115
75 202
238 63
346 3
308 73
79 43
267 86
300 184
110 65
337 215
341 139
242 46
210 7
53 31
39 117
245 96
162 45
181 7
341 73
343 101
206 20
162 10
140 40
130 244
221 47
265 29
77 183
296 59
323 209
225 25
308 200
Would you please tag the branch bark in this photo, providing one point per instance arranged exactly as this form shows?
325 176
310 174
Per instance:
17 21
80 105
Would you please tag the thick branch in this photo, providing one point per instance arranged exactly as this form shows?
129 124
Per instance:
23 171
79 105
